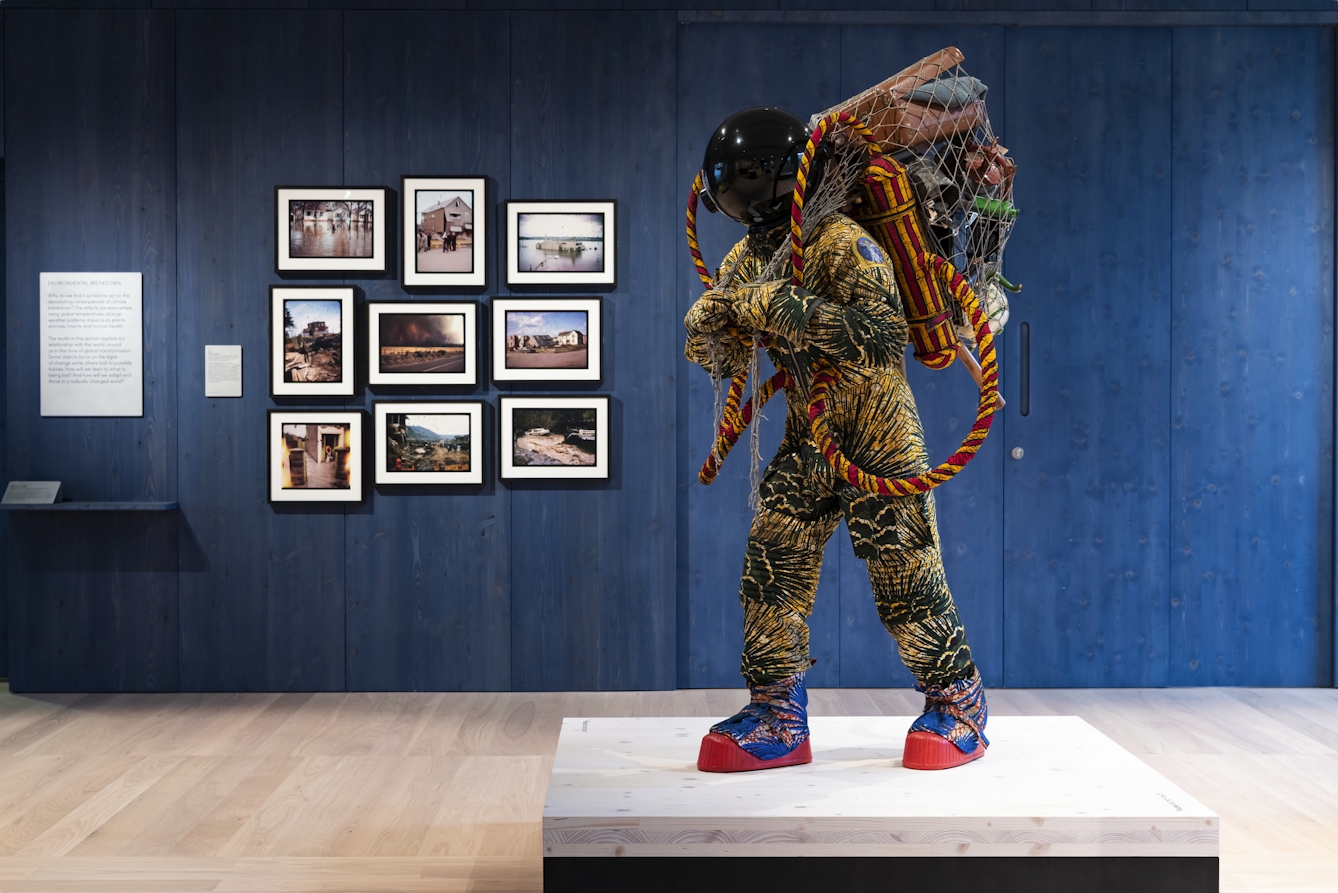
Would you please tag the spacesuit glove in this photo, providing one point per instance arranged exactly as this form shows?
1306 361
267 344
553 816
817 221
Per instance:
778 308
711 313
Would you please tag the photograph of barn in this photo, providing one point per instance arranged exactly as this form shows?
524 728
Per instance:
445 231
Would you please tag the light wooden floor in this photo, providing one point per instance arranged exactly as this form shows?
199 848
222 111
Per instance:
348 792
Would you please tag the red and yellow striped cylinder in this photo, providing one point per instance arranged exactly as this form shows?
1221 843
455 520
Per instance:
891 215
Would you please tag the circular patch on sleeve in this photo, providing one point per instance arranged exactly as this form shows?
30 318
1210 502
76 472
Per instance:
869 250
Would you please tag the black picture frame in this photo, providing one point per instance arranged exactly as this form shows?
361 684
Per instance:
552 444
343 452
278 367
503 355
518 272
379 228
477 275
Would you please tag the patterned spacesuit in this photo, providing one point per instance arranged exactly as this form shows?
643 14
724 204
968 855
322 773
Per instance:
850 314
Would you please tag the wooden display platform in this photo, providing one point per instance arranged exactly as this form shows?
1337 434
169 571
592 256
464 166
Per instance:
1055 804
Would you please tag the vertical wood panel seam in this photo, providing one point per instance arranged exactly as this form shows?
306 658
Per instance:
176 321
1171 495
501 229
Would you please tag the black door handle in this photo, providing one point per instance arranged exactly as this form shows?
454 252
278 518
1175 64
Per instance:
1024 372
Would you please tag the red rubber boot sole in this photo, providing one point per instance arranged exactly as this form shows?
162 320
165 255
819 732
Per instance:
721 753
925 750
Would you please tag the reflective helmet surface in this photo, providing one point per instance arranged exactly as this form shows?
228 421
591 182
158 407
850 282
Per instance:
751 164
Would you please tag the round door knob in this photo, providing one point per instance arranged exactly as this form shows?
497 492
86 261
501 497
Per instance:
1018 452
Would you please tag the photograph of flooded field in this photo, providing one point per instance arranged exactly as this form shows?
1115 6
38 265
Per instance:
444 231
421 342
315 456
560 243
434 442
312 341
331 229
554 436
547 339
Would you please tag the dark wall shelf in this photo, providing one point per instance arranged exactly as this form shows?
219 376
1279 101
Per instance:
92 507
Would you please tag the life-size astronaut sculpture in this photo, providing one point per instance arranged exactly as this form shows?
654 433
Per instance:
849 315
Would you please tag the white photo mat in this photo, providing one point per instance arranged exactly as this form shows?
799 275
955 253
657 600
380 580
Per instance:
409 189
286 263
517 276
470 409
340 293
279 456
507 436
536 307
467 375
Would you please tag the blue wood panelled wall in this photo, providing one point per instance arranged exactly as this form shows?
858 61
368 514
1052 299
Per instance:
1170 520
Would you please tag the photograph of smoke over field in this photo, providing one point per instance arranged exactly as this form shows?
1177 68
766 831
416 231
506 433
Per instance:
421 342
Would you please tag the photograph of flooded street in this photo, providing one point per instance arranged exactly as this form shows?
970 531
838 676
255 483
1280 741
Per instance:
331 229
312 341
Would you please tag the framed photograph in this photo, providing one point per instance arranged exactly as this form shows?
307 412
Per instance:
445 230
311 341
422 344
546 339
554 438
330 229
315 456
561 243
429 443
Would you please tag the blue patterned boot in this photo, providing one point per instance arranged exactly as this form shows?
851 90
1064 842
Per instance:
771 731
951 730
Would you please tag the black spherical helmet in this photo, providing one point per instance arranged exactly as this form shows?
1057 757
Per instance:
751 166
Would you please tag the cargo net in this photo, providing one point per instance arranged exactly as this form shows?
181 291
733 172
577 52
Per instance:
930 117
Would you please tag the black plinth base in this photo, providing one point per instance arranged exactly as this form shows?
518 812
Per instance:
828 874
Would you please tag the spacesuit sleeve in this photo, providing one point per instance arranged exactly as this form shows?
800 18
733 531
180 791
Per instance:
718 352
855 318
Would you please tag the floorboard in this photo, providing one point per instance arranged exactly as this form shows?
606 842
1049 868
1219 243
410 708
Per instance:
397 791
